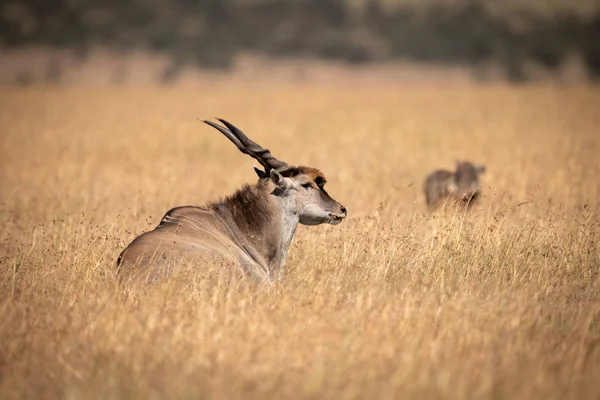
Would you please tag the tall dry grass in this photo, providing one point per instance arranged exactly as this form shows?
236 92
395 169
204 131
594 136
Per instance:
396 302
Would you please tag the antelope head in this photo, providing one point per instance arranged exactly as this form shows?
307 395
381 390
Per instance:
300 189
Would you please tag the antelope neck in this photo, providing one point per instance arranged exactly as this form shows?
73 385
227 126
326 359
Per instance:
265 221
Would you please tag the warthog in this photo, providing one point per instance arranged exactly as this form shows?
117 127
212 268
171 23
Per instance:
461 186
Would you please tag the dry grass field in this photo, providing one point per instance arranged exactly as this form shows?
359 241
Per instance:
395 302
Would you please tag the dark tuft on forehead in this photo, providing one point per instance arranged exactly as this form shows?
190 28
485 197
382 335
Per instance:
313 174
320 180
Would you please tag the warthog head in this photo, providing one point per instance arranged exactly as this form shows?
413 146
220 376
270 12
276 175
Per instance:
466 180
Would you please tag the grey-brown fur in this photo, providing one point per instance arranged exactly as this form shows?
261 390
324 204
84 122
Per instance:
462 185
251 229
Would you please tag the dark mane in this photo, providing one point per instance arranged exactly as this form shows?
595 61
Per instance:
248 207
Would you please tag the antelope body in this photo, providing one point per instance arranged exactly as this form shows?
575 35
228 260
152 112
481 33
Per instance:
251 229
461 185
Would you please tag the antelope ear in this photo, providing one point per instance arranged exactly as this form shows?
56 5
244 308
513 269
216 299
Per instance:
261 174
480 168
279 180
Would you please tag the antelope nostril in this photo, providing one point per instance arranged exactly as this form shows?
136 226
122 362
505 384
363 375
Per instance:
343 209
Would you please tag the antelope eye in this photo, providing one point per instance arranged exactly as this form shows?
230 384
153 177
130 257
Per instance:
307 185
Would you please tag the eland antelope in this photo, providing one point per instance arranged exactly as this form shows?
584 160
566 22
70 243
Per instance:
461 185
252 229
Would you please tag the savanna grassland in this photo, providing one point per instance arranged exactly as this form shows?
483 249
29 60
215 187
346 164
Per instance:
396 302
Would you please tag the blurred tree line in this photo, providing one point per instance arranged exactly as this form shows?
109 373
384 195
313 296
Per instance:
209 33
